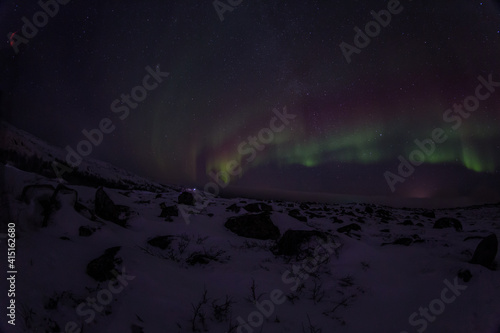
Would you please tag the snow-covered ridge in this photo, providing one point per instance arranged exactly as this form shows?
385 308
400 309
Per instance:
29 153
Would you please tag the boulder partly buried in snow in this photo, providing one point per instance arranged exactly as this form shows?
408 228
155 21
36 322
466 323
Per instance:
103 267
233 208
295 213
161 242
448 222
257 207
108 210
64 196
293 241
258 226
186 198
348 228
168 211
486 251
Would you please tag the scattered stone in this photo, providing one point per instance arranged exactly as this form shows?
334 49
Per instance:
103 267
448 222
64 196
40 196
85 211
382 213
108 210
292 241
186 198
258 226
429 214
233 208
314 215
304 206
295 213
257 207
136 329
85 231
486 251
403 241
335 219
359 219
465 275
168 211
350 227
161 242
368 210
407 222
31 192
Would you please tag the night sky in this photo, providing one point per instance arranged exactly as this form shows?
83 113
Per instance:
350 117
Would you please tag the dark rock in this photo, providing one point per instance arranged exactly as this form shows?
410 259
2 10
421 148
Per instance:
161 242
335 219
31 192
64 196
349 213
103 267
136 329
143 201
419 224
368 210
465 275
406 241
85 231
168 211
295 213
258 226
403 241
407 222
304 206
186 198
292 241
350 227
486 251
233 208
314 215
108 210
210 214
429 213
383 213
385 230
40 196
257 207
448 222
198 258
85 211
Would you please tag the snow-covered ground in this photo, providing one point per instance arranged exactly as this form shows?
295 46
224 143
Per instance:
396 273
358 285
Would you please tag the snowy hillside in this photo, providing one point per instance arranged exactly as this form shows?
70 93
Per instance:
110 259
29 153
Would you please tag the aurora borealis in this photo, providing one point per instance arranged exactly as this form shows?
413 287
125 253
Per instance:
352 120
